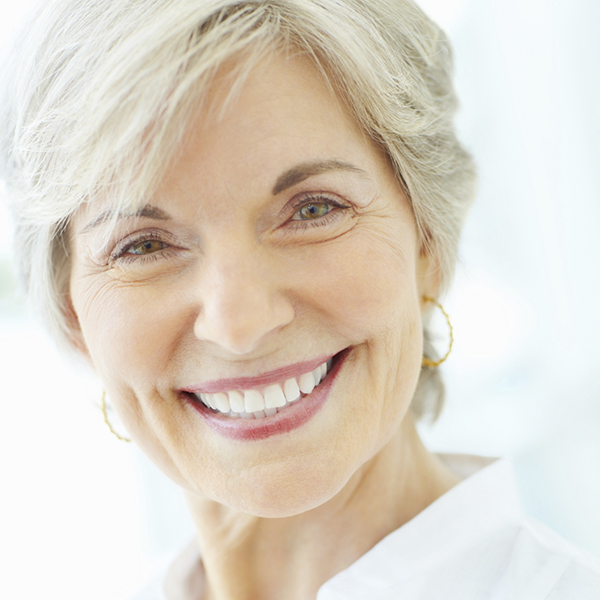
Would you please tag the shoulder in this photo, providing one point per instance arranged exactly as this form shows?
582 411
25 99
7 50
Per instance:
508 554
472 543
522 560
500 553
557 570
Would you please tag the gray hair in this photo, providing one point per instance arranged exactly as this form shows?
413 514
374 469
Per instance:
98 95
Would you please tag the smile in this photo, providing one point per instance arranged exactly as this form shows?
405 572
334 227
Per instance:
268 401
270 404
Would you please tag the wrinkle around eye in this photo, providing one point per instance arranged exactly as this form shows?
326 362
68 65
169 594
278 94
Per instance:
312 235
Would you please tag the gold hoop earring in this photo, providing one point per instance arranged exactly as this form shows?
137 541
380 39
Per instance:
103 406
427 362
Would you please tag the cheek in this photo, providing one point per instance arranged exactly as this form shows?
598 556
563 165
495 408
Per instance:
366 282
128 330
366 290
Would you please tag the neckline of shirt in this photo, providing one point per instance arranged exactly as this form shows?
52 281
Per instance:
485 502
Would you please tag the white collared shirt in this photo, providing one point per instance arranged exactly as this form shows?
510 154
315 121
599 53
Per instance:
472 543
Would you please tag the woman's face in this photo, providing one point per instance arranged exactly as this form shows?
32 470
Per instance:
279 240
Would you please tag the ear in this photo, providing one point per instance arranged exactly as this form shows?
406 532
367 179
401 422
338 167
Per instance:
74 332
429 273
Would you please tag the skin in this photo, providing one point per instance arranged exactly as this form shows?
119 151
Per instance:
232 278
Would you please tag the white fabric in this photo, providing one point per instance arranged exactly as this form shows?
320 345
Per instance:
473 543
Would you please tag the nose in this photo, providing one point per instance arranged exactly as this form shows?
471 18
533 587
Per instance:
242 302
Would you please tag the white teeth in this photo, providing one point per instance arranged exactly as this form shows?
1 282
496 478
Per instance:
237 402
317 376
292 391
222 402
306 383
253 401
274 397
210 400
254 404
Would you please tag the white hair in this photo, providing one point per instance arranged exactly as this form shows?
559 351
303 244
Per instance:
98 94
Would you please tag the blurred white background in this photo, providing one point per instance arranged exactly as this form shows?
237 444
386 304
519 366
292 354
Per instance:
83 515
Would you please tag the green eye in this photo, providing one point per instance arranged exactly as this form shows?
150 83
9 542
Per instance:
313 211
146 247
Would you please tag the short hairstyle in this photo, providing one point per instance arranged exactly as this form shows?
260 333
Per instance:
98 95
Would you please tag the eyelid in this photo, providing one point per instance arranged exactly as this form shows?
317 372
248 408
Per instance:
316 198
136 238
294 226
307 198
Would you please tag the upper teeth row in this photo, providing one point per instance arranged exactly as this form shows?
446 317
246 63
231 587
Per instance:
250 404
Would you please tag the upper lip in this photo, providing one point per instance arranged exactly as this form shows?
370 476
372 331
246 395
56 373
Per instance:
258 381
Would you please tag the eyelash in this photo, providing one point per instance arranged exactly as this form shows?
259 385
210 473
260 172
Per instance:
120 252
320 221
119 255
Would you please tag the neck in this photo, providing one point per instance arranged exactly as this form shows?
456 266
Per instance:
247 557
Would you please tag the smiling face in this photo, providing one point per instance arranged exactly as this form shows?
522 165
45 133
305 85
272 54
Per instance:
279 239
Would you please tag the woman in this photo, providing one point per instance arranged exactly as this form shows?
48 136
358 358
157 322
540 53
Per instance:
241 214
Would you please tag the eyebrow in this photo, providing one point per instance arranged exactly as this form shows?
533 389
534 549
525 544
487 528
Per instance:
288 179
310 169
148 211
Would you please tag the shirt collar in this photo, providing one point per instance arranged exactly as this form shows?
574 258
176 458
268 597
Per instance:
481 504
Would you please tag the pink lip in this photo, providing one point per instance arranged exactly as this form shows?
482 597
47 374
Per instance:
287 420
249 383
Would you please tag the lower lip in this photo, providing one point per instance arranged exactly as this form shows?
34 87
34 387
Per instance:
287 420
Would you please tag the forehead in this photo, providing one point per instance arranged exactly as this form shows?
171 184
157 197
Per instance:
284 113
263 128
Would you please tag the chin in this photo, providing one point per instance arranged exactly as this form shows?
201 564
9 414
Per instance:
280 503
267 494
